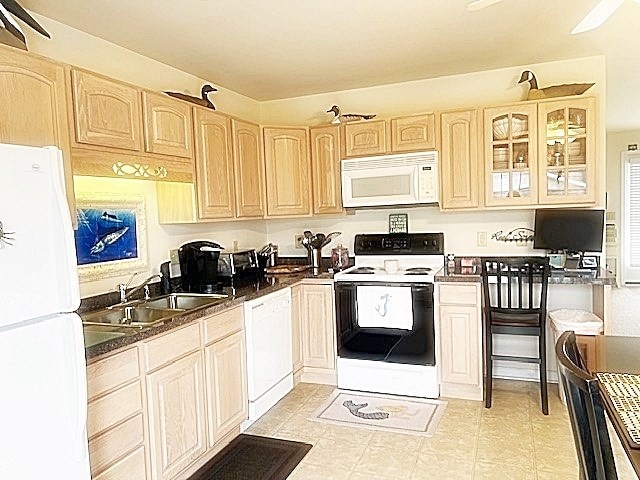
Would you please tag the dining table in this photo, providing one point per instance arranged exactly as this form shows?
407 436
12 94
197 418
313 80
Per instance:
615 354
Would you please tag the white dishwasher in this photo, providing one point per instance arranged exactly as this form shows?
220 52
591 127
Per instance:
269 358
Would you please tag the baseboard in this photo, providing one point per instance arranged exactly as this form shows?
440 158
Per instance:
465 392
319 375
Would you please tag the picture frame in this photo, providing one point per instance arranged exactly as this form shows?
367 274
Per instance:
111 238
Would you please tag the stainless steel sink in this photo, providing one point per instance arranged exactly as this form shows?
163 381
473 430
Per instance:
93 337
184 301
129 316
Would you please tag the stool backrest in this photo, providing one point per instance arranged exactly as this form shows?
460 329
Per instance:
516 283
586 412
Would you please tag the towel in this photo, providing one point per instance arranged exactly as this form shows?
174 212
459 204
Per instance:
384 307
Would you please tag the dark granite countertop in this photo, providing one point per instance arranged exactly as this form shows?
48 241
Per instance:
125 336
471 273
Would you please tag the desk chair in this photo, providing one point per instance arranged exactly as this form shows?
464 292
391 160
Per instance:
586 411
518 307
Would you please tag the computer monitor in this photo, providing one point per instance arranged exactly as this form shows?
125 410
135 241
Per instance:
569 230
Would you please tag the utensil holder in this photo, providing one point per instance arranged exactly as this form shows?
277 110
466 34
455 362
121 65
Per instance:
315 255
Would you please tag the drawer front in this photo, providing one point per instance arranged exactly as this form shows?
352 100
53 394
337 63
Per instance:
162 350
107 448
107 374
131 467
104 412
459 294
223 324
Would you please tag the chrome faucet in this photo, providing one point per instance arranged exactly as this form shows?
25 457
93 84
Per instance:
122 288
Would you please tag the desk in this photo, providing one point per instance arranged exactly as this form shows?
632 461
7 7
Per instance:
618 355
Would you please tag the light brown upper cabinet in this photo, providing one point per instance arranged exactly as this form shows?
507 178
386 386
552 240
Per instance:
249 169
33 106
566 146
214 165
459 161
288 171
413 133
325 167
510 146
368 137
167 125
401 134
107 112
121 131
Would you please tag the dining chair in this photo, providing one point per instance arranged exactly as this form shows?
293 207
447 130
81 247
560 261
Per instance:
593 445
515 303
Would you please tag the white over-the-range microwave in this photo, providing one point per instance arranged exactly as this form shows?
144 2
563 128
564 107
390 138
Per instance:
402 179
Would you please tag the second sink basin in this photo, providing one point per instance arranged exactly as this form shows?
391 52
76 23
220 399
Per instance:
184 301
133 316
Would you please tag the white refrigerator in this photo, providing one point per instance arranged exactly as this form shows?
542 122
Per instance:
43 386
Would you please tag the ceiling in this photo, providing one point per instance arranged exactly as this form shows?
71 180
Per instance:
287 48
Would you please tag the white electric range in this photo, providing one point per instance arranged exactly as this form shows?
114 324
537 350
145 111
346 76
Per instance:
385 315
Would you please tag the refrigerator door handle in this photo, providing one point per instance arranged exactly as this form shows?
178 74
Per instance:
69 260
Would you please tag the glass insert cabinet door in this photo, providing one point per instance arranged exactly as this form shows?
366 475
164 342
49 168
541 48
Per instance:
567 151
510 155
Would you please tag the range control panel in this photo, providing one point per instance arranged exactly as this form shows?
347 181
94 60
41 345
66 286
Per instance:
399 244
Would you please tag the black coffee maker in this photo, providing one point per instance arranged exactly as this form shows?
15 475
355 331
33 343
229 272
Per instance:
199 266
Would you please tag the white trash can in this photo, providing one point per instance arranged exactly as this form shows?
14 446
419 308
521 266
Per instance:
580 321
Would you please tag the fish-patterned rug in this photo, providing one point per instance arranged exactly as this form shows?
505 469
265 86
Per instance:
415 416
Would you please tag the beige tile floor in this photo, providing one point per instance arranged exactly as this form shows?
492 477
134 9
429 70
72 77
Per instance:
512 440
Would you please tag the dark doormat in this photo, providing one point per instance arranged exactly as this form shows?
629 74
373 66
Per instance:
252 457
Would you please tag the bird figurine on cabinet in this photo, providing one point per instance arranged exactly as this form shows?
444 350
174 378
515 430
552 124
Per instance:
203 102
10 31
564 90
346 117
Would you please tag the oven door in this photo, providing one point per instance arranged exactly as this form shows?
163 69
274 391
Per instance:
389 322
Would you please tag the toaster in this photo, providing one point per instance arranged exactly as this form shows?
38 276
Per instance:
234 264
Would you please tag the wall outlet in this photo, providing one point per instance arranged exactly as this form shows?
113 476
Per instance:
173 256
482 239
297 241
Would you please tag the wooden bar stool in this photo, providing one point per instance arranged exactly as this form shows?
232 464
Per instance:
515 303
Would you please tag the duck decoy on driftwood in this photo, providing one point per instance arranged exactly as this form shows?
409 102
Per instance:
203 102
564 90
347 117
10 31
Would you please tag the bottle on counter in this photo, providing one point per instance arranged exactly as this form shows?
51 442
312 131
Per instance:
451 263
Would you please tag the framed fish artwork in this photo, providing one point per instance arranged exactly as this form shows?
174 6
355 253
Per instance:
111 235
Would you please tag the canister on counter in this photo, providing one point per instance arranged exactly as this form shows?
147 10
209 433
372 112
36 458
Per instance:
339 258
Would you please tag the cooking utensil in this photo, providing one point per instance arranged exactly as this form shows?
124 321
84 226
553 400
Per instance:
330 237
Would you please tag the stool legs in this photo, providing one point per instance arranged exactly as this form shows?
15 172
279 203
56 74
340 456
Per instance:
542 347
488 379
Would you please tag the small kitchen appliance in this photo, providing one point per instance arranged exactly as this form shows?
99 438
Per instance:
268 256
385 315
199 266
237 265
402 179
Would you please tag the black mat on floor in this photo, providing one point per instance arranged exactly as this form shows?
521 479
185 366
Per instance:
251 457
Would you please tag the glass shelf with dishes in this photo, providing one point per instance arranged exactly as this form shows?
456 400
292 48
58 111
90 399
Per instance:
510 143
567 174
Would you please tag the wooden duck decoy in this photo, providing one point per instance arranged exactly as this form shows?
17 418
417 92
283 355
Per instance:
203 102
347 117
10 32
564 90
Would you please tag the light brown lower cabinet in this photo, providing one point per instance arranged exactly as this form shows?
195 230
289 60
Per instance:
176 408
225 366
316 317
164 406
115 419
460 338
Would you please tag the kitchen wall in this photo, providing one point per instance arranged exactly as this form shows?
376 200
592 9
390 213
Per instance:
474 89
